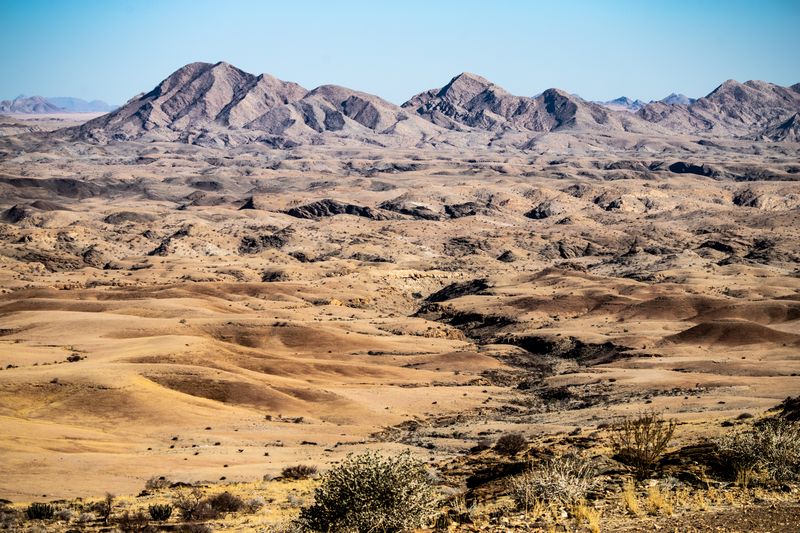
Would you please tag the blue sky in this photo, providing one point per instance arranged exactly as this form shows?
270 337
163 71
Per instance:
114 49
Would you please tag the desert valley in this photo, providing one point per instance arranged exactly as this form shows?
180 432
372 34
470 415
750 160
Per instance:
231 274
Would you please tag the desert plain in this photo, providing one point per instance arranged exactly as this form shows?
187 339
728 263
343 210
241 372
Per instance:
214 308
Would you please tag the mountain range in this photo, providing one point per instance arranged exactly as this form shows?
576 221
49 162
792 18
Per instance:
54 104
623 103
219 104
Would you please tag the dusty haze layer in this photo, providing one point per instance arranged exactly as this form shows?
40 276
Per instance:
193 299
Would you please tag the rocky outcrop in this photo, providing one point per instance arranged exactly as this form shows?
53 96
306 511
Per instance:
420 212
329 208
544 210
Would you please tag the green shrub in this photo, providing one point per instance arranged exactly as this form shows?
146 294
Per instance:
225 502
131 522
639 442
511 444
299 472
370 493
40 511
160 511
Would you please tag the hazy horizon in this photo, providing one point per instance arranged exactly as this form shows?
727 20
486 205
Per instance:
111 52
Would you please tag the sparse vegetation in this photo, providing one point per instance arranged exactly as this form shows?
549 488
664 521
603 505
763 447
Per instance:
640 441
299 472
511 444
370 492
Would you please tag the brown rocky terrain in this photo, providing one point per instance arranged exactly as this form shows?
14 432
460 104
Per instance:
231 274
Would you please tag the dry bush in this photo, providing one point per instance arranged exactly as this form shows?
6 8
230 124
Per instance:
771 448
64 514
157 483
85 518
9 519
105 507
299 472
456 511
189 503
738 451
524 490
195 528
370 492
136 522
639 442
253 505
511 444
564 480
780 443
285 527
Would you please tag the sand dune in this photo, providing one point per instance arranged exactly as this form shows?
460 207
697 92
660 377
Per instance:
734 333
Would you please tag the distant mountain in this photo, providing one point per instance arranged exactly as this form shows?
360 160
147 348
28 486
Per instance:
57 104
470 101
77 105
29 104
750 109
675 98
623 103
785 131
221 105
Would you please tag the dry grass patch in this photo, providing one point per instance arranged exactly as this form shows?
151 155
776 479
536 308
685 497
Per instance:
658 503
584 514
629 499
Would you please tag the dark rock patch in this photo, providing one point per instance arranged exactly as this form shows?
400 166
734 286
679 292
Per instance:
456 290
329 208
123 217
544 210
507 257
681 167
419 212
